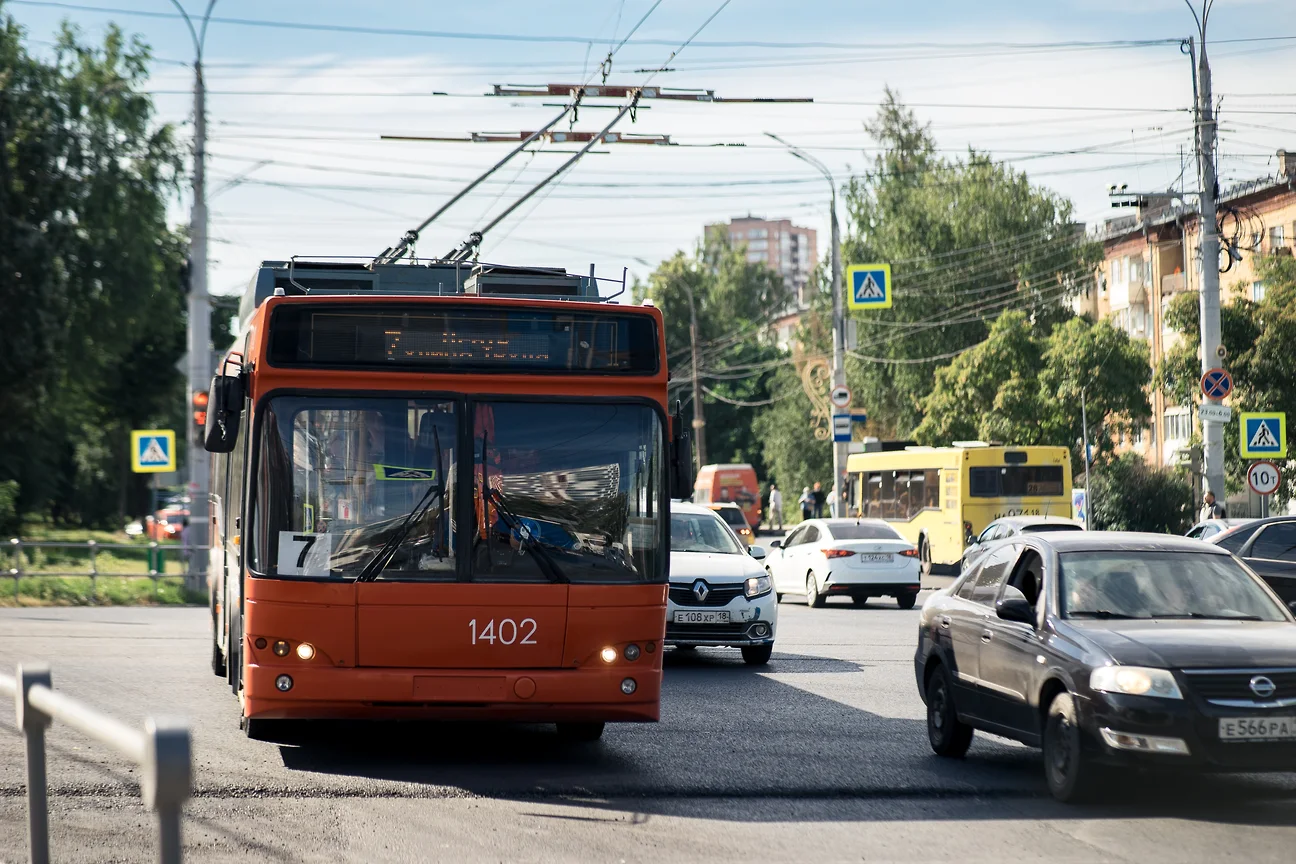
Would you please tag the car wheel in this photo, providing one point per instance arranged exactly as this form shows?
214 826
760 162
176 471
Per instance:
948 736
814 599
1071 774
778 598
860 601
906 601
580 733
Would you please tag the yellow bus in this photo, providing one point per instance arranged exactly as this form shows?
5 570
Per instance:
939 497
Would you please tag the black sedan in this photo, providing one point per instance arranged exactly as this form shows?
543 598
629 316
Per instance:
1108 649
1268 546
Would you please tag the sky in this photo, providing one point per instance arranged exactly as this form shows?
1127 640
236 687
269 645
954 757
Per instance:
300 94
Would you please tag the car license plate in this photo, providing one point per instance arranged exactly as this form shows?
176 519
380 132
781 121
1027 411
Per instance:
690 617
876 557
1257 728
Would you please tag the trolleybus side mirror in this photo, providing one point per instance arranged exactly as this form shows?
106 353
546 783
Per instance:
224 406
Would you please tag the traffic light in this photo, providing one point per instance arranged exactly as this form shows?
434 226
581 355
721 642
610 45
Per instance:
200 410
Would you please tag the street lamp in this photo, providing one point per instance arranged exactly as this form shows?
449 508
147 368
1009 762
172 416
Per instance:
838 325
199 336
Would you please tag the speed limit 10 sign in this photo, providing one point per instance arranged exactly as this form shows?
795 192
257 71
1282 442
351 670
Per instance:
1262 477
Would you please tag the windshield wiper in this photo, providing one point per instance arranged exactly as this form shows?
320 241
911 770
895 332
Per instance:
1102 613
526 537
1210 616
513 522
436 490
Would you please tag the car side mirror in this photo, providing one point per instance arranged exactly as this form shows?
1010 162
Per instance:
1015 609
776 544
757 552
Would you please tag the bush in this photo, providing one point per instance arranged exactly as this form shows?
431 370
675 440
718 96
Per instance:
8 508
1130 495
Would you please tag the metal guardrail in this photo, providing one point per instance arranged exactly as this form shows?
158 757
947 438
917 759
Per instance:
162 749
153 566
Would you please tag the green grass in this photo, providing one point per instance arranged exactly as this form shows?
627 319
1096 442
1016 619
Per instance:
109 591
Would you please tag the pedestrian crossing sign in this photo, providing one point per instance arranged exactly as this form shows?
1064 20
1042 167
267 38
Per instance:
1263 434
868 286
152 451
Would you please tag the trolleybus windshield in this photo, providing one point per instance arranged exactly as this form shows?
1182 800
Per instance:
557 490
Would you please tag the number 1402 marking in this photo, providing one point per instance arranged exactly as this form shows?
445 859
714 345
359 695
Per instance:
506 630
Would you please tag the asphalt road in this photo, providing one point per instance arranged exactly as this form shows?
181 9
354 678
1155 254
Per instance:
820 757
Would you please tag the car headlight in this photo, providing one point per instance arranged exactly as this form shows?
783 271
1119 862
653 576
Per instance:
757 585
1135 681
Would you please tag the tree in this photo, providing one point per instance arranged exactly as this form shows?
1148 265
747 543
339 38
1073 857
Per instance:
1023 389
1260 341
967 239
88 266
1130 495
734 301
794 457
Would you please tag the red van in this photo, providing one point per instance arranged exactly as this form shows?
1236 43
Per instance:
719 484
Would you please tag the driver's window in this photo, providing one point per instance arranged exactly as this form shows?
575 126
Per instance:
988 534
794 538
811 535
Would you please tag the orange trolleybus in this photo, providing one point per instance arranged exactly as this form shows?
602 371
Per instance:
441 491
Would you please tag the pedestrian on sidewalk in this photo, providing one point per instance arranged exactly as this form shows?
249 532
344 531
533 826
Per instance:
819 498
184 541
807 503
775 508
1211 509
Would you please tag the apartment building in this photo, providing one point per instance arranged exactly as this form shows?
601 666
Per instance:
789 250
1154 254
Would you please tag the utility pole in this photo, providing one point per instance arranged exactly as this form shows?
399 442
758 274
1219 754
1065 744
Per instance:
1084 438
1212 351
840 449
199 335
699 421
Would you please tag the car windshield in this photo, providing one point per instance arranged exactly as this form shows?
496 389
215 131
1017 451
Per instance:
567 492
733 517
701 532
862 531
1120 584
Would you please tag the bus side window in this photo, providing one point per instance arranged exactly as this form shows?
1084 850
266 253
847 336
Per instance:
873 495
931 489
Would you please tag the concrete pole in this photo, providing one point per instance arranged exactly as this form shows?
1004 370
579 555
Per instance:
1211 346
699 419
841 450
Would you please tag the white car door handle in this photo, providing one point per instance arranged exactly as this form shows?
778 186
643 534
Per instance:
986 635
945 621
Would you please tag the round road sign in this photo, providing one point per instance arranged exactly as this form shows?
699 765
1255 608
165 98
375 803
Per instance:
840 397
1216 383
1262 477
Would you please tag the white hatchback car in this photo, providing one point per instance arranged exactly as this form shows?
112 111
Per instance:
856 558
720 594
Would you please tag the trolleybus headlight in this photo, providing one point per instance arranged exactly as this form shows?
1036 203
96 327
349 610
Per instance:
608 655
306 651
631 652
628 686
283 683
280 648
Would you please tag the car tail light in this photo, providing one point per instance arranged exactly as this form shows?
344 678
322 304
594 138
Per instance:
909 553
838 553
